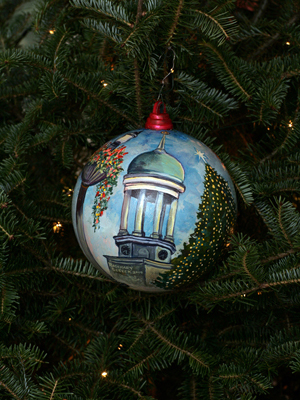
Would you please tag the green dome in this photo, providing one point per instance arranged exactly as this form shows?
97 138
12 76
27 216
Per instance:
157 162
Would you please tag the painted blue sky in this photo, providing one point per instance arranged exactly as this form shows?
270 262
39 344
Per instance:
191 153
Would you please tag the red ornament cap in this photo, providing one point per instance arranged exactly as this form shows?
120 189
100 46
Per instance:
158 119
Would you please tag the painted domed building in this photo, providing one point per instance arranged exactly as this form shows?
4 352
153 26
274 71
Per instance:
152 177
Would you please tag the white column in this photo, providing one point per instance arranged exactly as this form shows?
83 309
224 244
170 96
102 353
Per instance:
124 213
158 216
139 215
171 221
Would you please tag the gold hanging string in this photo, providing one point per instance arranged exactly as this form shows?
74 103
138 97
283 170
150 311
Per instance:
172 69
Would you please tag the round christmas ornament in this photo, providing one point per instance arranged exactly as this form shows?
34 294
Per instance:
153 208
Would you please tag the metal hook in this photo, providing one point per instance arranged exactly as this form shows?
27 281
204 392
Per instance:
169 73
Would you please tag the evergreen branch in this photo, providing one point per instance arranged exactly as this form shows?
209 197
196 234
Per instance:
193 383
218 28
53 219
273 39
126 387
170 344
80 326
29 270
14 95
230 73
106 8
3 291
261 386
281 225
129 37
222 6
259 287
10 237
290 133
210 388
231 376
54 387
138 90
215 22
9 390
261 9
97 98
139 11
239 178
132 389
280 255
141 362
203 105
141 333
176 18
57 48
65 343
246 268
97 278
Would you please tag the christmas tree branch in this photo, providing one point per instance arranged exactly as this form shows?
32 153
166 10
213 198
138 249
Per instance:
65 344
141 362
203 105
136 69
256 288
280 255
53 390
80 326
102 10
259 13
174 25
215 22
10 237
290 133
138 90
100 100
65 221
174 346
139 11
246 268
56 50
55 269
228 70
273 39
142 332
281 225
193 388
139 394
9 390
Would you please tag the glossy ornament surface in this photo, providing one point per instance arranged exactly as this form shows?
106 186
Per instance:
153 209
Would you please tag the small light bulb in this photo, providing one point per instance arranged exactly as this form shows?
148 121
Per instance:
56 227
104 374
52 31
290 124
287 43
259 293
172 70
105 84
70 319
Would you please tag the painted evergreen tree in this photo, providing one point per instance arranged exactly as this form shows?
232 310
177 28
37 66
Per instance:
216 217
